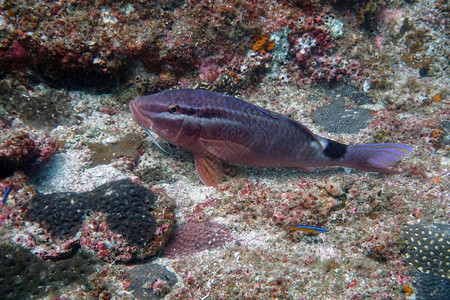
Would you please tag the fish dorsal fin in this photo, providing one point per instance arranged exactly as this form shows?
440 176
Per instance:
224 150
269 113
280 117
303 127
209 170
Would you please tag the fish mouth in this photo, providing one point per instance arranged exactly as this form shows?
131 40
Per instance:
143 120
136 114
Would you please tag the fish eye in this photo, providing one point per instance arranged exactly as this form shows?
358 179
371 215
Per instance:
174 109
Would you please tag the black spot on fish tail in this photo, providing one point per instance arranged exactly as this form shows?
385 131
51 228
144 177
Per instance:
335 150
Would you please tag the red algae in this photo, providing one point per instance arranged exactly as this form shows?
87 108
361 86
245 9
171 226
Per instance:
21 151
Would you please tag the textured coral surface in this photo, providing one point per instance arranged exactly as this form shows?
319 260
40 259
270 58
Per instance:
80 180
193 237
130 227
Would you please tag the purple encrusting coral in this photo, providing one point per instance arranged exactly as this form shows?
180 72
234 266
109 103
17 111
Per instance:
359 72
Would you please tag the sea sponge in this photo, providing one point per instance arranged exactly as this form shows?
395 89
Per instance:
263 44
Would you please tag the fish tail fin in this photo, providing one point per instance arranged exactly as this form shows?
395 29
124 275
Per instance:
374 157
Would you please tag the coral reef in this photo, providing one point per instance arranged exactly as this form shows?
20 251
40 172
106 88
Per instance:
118 221
23 275
427 250
174 40
21 152
193 237
19 196
304 203
352 71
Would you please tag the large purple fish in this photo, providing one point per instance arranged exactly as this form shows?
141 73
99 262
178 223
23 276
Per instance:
219 128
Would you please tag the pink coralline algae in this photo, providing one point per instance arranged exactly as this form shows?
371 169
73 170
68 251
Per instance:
193 237
303 204
19 150
209 70
98 44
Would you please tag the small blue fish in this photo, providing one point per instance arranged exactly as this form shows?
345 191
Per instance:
311 229
6 195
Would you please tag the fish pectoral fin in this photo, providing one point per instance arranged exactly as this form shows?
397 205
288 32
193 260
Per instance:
308 169
209 171
225 150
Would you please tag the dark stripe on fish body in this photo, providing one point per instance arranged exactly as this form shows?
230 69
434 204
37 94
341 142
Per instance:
185 110
266 130
220 106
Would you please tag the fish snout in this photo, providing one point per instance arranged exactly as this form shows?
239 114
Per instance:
137 113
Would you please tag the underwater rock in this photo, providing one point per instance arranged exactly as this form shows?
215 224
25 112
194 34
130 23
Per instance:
151 281
21 151
120 220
